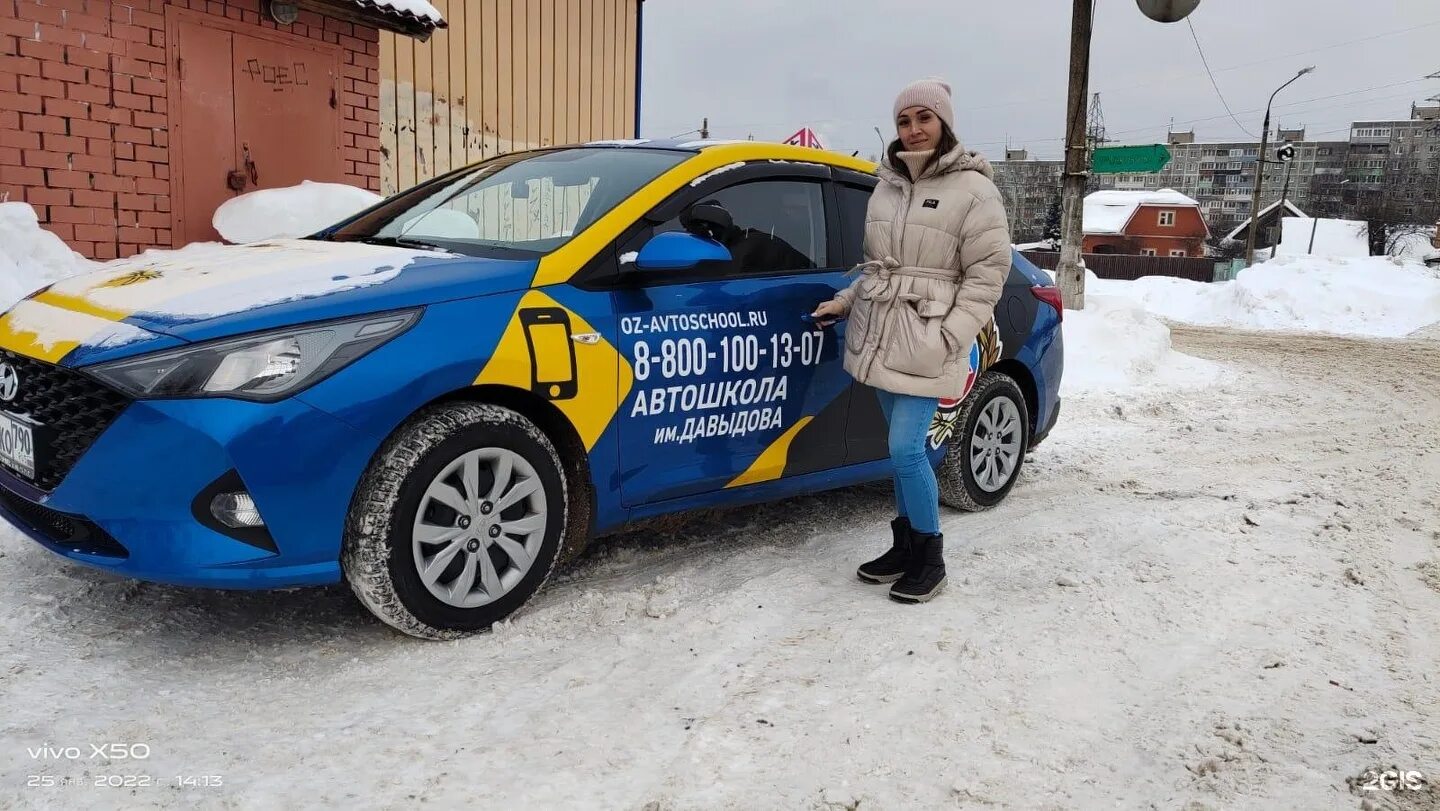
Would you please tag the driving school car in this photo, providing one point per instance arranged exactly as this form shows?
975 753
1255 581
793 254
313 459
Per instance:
443 396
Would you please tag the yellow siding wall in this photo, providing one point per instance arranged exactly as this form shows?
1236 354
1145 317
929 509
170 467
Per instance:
506 75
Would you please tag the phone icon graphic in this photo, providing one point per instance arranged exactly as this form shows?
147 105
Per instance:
552 352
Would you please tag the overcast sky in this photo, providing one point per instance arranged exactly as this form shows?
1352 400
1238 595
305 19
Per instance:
767 67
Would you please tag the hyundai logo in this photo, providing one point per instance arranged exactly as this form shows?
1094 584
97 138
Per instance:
9 382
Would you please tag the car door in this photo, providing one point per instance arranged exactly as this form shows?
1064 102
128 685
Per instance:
867 435
732 387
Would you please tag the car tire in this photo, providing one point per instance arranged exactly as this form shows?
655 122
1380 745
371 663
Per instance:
993 430
432 510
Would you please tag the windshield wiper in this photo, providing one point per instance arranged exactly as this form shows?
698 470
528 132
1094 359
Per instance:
397 242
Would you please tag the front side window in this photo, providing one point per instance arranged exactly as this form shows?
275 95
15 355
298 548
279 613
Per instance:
779 226
531 201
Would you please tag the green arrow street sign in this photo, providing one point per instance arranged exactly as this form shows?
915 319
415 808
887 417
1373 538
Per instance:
1115 160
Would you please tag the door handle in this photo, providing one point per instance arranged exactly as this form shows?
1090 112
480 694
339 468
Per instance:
586 338
236 179
250 168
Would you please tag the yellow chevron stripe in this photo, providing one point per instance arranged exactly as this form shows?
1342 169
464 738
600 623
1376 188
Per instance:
770 464
603 376
69 321
78 304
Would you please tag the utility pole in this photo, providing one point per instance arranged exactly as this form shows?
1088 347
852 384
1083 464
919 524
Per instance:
1070 275
704 129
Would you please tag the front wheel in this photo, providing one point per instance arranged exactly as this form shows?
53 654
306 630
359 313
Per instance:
457 522
986 453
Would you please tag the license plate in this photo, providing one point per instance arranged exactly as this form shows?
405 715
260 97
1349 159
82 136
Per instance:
17 445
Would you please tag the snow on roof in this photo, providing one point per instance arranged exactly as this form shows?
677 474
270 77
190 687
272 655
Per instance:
419 9
1290 207
1107 212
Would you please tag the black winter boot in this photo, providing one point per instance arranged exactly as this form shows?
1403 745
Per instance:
926 573
890 566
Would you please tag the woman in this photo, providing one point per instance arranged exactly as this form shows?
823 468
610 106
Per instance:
937 252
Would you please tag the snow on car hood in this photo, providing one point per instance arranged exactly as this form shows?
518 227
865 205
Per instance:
208 291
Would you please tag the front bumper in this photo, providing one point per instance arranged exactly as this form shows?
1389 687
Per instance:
130 504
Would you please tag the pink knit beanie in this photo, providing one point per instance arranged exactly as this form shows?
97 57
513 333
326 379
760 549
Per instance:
931 93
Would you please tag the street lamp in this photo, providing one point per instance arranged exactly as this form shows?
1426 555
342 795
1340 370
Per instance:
1260 170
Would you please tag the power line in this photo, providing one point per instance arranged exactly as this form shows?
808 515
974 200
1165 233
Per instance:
1213 83
1300 103
1333 46
1191 121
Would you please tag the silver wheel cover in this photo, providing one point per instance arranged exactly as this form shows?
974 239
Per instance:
479 527
995 444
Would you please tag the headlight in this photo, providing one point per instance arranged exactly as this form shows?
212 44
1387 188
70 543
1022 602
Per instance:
266 366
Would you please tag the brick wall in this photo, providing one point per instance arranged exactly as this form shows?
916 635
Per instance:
83 113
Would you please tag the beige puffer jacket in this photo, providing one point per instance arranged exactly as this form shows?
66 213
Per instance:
937 253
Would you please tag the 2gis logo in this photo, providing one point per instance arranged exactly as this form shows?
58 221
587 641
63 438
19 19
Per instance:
1392 780
90 751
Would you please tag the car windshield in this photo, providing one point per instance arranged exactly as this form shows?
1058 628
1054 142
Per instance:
528 202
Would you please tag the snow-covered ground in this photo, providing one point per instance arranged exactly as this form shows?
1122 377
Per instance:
1210 598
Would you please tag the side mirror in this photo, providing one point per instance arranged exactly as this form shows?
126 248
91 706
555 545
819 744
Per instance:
677 250
708 220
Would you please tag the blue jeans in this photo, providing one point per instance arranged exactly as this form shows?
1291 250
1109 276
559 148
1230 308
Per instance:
917 496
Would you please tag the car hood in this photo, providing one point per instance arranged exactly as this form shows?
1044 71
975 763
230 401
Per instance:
161 299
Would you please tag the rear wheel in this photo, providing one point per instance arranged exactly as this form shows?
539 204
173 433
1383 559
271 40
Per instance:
457 522
987 450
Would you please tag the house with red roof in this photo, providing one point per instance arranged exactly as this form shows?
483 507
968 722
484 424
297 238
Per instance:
1148 223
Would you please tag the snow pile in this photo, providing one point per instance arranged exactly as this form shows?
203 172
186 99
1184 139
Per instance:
1371 296
294 211
1338 238
1114 345
30 256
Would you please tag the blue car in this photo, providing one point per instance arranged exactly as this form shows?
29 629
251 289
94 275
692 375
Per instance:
442 397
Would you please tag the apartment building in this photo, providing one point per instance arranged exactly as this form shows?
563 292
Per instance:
1387 169
1030 187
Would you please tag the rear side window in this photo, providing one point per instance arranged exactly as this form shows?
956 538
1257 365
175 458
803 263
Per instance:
779 226
853 202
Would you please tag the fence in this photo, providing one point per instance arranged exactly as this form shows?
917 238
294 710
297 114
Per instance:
1129 267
